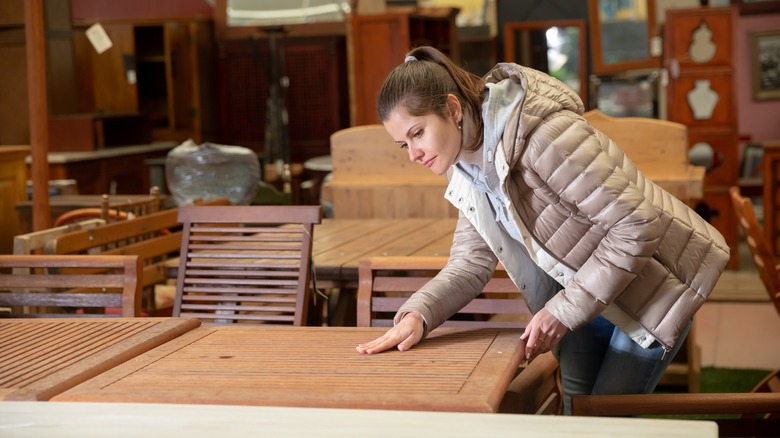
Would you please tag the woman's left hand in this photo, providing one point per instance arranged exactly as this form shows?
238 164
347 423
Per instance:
543 332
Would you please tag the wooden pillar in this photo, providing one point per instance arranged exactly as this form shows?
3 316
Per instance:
39 111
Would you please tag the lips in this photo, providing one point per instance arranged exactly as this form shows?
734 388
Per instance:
429 163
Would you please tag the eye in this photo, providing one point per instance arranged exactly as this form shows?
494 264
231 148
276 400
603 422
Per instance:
403 145
418 134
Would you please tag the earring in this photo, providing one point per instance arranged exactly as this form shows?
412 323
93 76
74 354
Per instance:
460 125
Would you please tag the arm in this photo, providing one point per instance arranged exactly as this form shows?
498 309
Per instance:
468 269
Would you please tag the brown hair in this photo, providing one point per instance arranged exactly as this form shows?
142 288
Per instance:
420 86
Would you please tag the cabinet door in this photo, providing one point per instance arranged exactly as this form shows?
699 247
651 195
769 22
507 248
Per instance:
114 73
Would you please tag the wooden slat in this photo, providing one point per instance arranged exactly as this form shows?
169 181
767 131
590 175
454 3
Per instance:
43 357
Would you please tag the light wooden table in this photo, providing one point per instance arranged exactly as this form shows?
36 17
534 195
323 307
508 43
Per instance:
452 370
43 357
118 420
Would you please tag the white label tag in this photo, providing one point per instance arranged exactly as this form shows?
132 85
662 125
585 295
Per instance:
99 38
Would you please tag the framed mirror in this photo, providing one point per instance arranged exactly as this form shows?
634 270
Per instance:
623 35
555 47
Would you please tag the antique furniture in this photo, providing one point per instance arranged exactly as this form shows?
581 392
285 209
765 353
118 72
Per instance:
765 261
700 54
14 189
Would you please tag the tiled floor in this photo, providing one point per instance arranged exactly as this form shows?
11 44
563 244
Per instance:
738 327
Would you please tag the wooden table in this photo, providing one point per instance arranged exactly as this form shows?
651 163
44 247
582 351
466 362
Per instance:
43 357
452 370
23 419
340 244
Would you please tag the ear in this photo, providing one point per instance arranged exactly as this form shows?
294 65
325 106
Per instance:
453 104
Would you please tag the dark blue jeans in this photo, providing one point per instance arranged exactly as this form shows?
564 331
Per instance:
600 359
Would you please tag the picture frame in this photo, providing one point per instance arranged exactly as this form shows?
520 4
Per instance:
626 95
765 60
623 36
752 7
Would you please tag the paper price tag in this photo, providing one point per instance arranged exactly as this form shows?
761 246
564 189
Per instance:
98 37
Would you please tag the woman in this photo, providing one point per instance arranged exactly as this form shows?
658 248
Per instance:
612 266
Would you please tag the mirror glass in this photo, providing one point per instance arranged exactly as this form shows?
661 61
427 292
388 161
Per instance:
554 47
621 36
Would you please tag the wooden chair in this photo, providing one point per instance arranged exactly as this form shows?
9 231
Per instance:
70 282
768 268
385 283
36 241
116 207
246 264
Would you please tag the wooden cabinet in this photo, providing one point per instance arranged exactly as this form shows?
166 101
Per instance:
316 97
60 67
701 57
13 189
162 69
378 43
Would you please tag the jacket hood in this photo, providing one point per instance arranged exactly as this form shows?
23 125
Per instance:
544 95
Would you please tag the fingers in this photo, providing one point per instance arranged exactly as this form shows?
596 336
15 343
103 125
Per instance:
405 335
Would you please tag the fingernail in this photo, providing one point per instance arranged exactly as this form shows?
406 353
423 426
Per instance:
528 356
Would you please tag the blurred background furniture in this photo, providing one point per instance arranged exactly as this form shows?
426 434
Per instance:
14 190
115 208
241 264
70 285
771 195
765 261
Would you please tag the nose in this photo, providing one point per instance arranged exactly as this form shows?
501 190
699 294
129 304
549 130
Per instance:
415 154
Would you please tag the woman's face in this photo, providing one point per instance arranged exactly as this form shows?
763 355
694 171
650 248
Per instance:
431 140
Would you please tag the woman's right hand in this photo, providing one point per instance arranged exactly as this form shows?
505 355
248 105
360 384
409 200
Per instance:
405 334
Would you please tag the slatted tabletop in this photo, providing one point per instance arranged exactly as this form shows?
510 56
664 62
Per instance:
43 357
340 244
452 370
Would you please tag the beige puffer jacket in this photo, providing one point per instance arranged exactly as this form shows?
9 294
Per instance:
637 254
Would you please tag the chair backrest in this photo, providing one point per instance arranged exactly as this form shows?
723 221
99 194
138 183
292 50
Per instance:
659 148
36 241
116 207
759 248
245 263
70 282
385 283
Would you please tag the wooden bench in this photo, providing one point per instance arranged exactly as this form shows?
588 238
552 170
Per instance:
155 238
373 178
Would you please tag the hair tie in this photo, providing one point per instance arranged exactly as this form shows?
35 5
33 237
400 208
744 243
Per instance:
409 59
